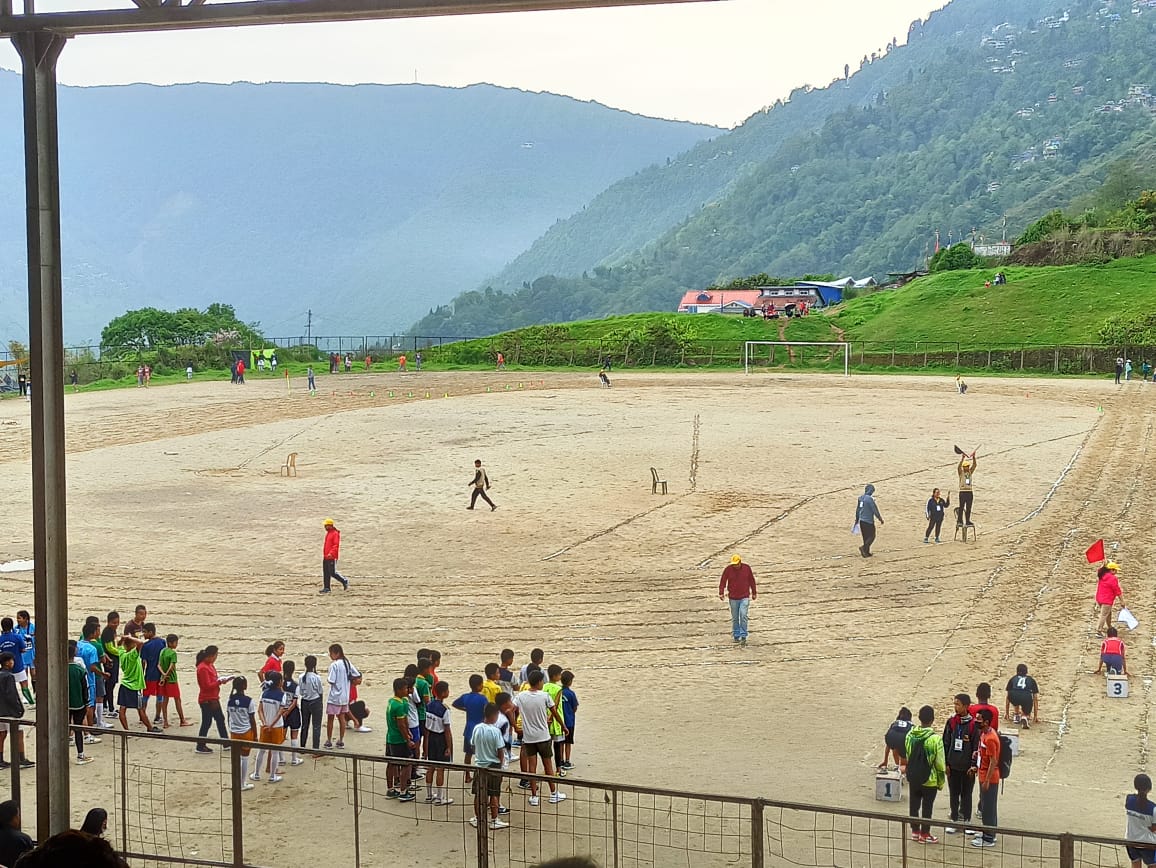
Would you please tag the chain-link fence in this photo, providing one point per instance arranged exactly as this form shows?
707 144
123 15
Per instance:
168 805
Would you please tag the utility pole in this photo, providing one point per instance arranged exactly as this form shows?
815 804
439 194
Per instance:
309 327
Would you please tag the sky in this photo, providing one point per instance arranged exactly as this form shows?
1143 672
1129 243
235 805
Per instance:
711 62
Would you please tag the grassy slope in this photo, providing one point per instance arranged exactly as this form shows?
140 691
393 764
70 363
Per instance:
1049 306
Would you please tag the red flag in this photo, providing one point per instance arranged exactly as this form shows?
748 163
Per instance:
1096 552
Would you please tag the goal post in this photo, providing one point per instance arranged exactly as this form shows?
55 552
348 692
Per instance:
750 348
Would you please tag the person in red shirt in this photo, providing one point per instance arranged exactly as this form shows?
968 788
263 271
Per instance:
983 700
1107 592
988 775
738 583
329 555
209 696
1112 654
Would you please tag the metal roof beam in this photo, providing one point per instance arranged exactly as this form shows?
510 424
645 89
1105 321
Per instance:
253 12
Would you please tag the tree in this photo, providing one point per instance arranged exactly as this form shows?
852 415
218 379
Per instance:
17 350
148 328
955 258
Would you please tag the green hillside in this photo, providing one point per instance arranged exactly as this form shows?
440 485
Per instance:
992 109
1049 306
1043 307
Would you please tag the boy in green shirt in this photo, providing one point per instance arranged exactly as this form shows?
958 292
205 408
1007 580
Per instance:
132 682
423 684
170 687
398 743
932 762
77 699
553 689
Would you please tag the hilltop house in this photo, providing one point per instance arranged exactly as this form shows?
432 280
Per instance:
719 301
738 301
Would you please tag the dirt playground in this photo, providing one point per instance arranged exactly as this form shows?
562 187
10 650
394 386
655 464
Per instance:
176 501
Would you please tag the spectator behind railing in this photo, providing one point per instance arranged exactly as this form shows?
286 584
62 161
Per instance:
74 849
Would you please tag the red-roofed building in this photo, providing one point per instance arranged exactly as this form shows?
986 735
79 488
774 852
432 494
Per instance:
720 301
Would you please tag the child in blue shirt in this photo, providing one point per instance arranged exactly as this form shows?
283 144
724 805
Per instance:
569 710
474 705
1141 823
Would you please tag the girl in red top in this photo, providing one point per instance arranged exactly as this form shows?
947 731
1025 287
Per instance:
1107 592
275 653
209 695
1112 653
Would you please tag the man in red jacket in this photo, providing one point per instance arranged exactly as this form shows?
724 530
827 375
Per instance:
738 582
329 556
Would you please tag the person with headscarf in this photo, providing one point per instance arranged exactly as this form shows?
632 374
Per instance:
866 512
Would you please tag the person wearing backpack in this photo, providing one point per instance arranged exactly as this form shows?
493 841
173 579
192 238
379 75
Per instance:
960 743
988 773
925 773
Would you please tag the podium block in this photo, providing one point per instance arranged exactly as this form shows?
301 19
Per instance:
1117 686
889 787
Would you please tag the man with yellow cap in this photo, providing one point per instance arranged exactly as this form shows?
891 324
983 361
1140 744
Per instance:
738 583
329 556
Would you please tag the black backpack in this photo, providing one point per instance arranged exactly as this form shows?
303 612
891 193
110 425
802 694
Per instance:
918 764
1005 757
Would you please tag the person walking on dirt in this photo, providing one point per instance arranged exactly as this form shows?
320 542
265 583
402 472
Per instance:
738 584
480 484
1107 592
1119 368
330 553
966 470
866 512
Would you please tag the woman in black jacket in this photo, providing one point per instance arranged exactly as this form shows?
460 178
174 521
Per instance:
936 509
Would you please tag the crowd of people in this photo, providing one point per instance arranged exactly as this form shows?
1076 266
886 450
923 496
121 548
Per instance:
970 750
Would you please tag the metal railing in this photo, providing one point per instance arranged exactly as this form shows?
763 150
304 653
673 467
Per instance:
170 806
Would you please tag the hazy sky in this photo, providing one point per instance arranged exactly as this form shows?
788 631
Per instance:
716 62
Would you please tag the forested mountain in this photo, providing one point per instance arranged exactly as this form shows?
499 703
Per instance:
991 109
367 204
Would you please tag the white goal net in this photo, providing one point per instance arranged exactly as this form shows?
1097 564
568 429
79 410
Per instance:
768 353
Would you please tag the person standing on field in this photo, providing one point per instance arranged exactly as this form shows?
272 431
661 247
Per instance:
1107 592
935 510
930 769
866 512
738 583
960 743
329 554
987 773
480 485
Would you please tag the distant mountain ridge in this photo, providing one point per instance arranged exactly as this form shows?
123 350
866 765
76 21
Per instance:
368 204
993 109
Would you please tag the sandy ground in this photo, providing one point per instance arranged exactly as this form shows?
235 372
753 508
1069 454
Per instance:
176 501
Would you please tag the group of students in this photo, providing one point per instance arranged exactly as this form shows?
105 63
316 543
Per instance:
110 672
532 708
970 749
287 709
